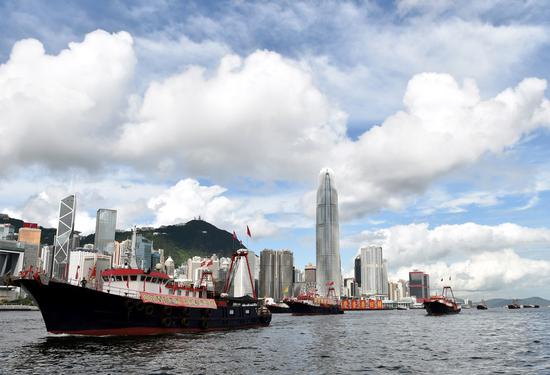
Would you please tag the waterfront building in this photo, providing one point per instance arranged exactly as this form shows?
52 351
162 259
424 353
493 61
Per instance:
241 282
105 227
7 232
357 270
30 235
350 287
169 266
419 285
143 249
385 277
374 280
65 228
276 274
310 274
329 269
298 276
12 254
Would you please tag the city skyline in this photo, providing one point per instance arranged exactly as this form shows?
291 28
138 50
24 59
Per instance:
433 116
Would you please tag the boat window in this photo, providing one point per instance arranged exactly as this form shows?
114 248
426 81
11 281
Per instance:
179 292
133 277
147 279
119 278
231 312
247 312
154 280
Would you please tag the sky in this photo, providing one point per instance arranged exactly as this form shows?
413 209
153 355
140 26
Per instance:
433 115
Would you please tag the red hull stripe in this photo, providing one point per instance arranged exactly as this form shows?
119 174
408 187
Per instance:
143 331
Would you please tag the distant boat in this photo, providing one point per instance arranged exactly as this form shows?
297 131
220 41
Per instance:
482 305
514 305
417 305
400 307
444 304
276 308
313 304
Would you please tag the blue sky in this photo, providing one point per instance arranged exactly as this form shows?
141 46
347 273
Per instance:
433 115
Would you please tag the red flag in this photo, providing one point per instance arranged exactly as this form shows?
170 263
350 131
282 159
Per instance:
93 272
248 232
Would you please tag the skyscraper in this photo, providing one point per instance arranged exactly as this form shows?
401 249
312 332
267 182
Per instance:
276 273
65 228
419 285
327 233
105 226
374 279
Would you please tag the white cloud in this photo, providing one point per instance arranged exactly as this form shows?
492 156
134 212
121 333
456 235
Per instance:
260 117
60 109
487 274
188 199
444 127
405 245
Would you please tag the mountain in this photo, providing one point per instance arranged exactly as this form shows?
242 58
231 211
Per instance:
501 302
183 241
47 234
180 241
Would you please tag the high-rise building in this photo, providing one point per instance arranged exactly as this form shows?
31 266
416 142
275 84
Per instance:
350 287
105 227
329 269
30 235
169 266
7 232
419 285
374 280
357 270
65 228
241 279
276 274
143 249
310 274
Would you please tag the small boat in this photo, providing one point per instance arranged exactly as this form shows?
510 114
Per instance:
482 305
313 304
400 307
444 304
417 305
514 305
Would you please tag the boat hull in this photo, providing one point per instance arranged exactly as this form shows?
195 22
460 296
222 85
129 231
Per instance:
439 308
301 308
70 309
278 309
481 307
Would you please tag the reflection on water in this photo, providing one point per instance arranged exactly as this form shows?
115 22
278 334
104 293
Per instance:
480 342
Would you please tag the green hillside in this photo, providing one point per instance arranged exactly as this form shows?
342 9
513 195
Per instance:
182 241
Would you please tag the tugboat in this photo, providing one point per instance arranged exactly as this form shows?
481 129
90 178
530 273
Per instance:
514 305
276 308
482 305
129 301
313 304
443 304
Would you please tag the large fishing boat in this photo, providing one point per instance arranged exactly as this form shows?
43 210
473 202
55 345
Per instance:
313 304
130 301
443 304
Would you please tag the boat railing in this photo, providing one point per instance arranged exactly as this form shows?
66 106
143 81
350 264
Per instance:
124 292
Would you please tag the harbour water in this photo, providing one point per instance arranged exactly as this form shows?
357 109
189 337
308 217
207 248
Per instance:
496 341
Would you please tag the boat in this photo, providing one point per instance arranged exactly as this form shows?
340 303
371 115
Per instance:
514 305
417 306
276 308
313 304
482 305
131 301
401 307
444 304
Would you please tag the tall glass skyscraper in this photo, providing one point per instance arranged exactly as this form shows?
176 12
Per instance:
105 226
328 234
